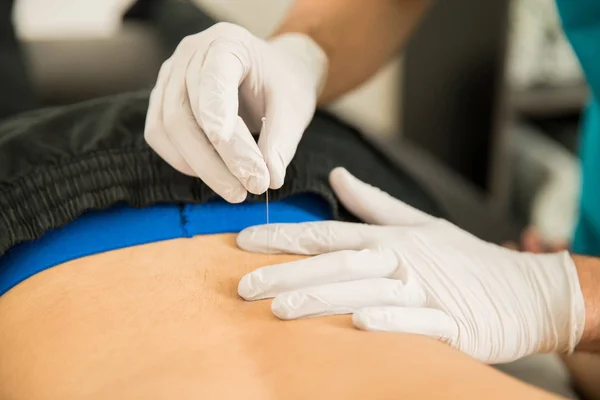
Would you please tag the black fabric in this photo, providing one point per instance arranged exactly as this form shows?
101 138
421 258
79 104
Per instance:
56 163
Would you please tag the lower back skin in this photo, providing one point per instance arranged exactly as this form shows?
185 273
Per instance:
163 321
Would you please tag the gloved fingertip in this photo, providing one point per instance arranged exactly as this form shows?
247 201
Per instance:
276 168
276 184
359 320
341 180
258 184
338 173
277 178
235 196
369 320
279 309
252 239
286 306
242 238
247 288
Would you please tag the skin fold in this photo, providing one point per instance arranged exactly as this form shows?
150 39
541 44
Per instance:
163 321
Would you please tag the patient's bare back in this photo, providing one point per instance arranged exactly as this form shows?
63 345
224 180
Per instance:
163 321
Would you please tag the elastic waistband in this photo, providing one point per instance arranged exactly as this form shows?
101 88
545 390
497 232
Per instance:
123 226
56 195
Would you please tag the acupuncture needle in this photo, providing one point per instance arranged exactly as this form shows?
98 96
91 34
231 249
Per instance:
262 130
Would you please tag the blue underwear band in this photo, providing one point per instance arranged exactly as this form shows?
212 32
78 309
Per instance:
122 226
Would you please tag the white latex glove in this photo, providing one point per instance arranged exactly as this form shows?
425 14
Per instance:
216 88
418 274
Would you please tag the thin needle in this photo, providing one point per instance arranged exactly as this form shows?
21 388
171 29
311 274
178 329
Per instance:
266 193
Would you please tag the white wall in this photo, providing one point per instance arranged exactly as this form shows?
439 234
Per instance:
259 16
52 19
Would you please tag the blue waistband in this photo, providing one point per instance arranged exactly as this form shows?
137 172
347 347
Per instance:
123 226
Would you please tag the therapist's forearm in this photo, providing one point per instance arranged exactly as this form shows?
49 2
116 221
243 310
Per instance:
588 270
359 36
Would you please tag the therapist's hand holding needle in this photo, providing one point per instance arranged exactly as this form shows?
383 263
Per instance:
219 83
216 88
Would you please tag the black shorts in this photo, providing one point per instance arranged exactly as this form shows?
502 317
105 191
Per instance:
57 163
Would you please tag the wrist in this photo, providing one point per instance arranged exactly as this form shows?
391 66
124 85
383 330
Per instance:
556 310
304 52
588 272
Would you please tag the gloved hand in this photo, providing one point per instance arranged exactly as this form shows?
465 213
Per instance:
216 88
417 274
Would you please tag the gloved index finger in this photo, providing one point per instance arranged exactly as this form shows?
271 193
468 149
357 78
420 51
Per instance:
342 266
154 130
214 97
213 82
309 238
286 121
244 160
191 141
346 298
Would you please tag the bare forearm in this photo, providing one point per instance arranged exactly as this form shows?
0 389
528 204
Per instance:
588 270
584 369
359 36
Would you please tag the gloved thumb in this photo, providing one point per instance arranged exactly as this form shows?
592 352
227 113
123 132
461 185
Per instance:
290 103
371 204
282 130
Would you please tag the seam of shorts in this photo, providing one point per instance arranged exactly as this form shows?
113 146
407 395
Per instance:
184 219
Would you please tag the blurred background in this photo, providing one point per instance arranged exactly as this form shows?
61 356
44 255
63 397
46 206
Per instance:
497 101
